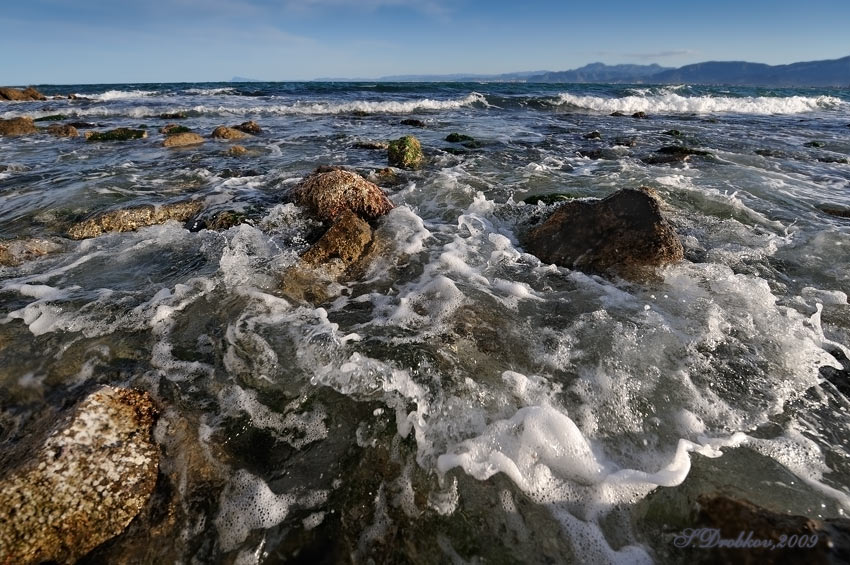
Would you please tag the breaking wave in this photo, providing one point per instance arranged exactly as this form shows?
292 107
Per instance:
673 103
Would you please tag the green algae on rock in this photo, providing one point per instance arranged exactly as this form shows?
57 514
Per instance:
131 219
119 134
405 152
86 483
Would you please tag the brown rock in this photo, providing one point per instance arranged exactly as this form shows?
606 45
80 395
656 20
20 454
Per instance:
85 484
28 93
172 128
237 151
251 127
623 234
62 130
731 518
17 126
130 219
16 251
329 192
224 132
328 260
182 139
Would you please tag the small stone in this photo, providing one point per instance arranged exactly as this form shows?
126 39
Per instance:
17 126
182 139
224 132
62 130
251 127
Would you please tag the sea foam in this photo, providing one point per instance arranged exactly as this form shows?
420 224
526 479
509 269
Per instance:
672 103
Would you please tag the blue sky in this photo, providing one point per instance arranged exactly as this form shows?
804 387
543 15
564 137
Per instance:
112 41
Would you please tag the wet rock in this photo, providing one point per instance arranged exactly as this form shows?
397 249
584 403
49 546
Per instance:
549 198
596 154
455 151
171 129
623 234
17 126
182 139
60 130
224 132
672 132
16 251
413 123
82 125
814 144
130 219
405 152
826 541
593 135
220 221
51 118
673 154
16 94
458 138
238 173
173 116
836 211
625 141
838 377
640 115
617 114
330 192
386 177
378 145
832 159
312 278
86 483
119 134
251 127
680 150
237 151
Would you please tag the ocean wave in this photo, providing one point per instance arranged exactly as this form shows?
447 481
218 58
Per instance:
674 104
371 107
120 95
209 91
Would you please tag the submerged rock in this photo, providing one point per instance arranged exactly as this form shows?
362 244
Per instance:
593 135
17 126
60 130
617 114
172 129
405 152
378 145
182 139
52 118
237 151
173 116
673 154
119 134
224 132
814 144
673 132
835 211
251 127
623 234
640 115
16 251
82 125
458 138
330 192
327 261
826 541
17 94
85 484
549 198
130 219
413 123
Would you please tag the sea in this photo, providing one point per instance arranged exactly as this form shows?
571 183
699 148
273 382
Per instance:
459 401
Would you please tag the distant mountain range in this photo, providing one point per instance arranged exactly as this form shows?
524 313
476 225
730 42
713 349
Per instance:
833 72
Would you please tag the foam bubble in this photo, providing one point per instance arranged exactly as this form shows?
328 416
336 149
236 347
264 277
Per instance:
246 504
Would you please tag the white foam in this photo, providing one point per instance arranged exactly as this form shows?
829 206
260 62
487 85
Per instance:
672 103
248 504
120 95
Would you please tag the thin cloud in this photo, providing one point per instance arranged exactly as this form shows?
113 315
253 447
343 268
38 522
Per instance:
648 55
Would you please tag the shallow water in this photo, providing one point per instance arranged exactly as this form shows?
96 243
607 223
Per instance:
460 400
